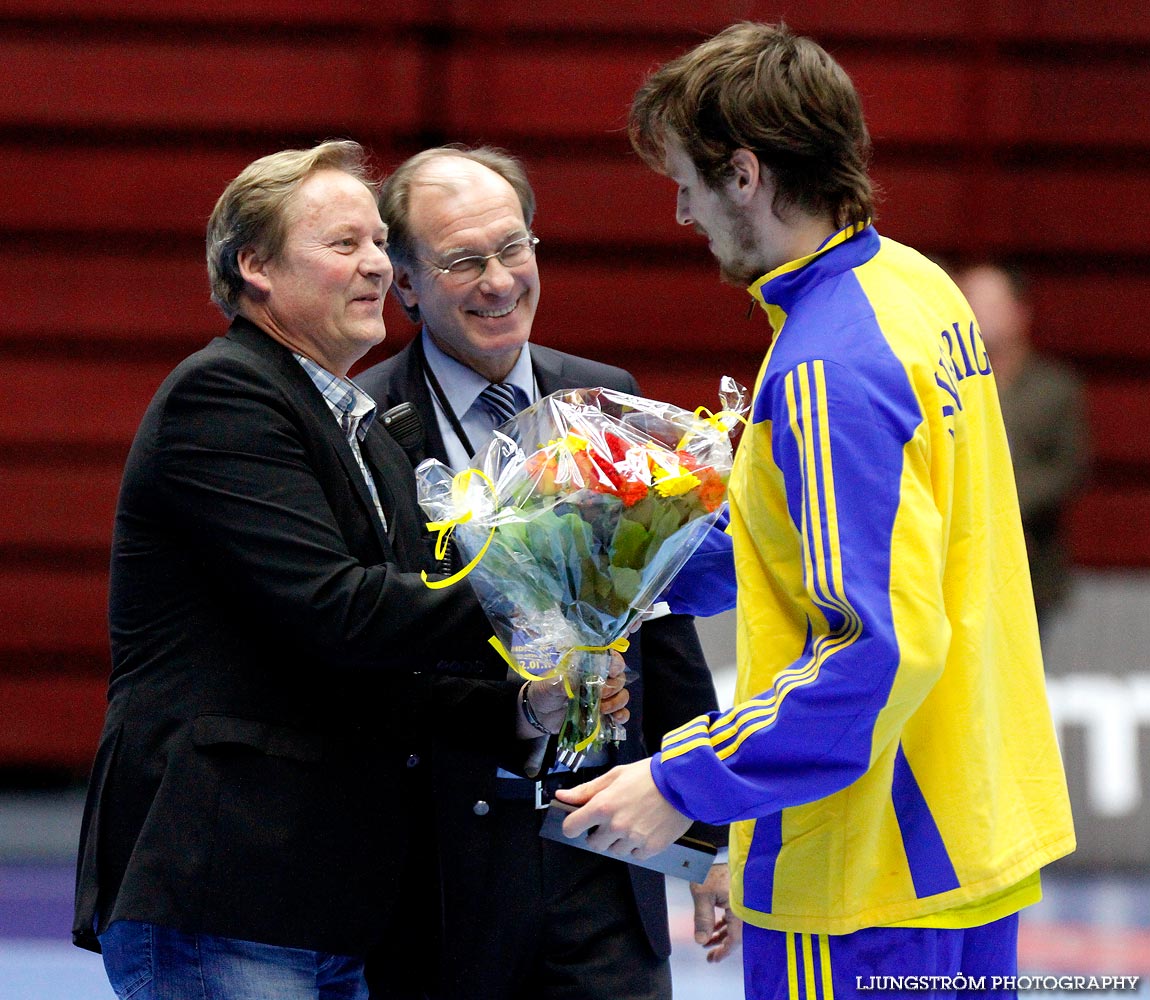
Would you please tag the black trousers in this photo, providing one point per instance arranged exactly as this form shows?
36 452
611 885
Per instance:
555 923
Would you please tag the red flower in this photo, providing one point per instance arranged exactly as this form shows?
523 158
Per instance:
607 467
687 460
617 445
591 470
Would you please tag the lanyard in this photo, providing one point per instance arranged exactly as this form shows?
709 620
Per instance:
441 397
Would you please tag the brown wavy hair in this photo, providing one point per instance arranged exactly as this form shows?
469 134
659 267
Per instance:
762 88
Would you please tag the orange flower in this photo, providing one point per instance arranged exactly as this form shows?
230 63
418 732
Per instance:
632 491
712 489
541 468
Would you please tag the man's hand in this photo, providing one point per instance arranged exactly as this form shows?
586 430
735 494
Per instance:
625 812
613 702
548 700
722 934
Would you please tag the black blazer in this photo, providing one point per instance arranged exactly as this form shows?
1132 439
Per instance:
671 681
276 663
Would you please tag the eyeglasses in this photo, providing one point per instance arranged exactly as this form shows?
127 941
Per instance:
464 269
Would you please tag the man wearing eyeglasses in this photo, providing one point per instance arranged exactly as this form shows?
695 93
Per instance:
252 820
523 915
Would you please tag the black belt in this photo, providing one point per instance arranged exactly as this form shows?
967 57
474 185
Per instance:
541 790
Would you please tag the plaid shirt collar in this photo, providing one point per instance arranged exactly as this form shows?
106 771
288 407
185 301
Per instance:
353 408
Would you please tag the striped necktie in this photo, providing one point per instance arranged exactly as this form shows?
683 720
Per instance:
501 400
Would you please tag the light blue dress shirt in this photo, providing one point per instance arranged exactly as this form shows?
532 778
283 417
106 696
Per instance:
462 386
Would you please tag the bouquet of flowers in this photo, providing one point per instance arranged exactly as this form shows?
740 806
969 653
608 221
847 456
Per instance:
572 520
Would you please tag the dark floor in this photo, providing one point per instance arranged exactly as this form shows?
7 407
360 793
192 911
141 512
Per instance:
1089 923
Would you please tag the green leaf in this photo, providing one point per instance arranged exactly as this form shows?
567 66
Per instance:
627 583
643 511
629 544
665 522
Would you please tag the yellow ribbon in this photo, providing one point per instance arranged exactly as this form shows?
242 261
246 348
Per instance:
722 421
622 644
584 744
459 484
514 665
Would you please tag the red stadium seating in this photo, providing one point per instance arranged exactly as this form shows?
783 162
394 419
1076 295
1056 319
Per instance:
1015 129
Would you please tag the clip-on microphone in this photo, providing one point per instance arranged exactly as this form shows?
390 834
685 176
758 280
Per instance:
404 424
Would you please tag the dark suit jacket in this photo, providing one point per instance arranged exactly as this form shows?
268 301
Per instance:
1043 409
276 670
671 682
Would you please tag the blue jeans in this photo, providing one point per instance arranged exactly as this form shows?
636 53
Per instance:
149 962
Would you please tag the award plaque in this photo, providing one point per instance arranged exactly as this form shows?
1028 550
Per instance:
687 858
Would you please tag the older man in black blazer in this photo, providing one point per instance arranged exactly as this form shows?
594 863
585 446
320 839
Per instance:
279 668
522 916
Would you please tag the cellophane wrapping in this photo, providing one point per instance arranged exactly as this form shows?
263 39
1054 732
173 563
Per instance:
572 520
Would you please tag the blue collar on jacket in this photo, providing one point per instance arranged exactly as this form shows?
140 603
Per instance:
846 249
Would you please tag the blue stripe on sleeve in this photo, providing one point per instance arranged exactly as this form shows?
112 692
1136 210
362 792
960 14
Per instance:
930 866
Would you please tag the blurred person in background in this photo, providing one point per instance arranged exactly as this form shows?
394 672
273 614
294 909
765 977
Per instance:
889 768
524 916
257 812
1045 416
